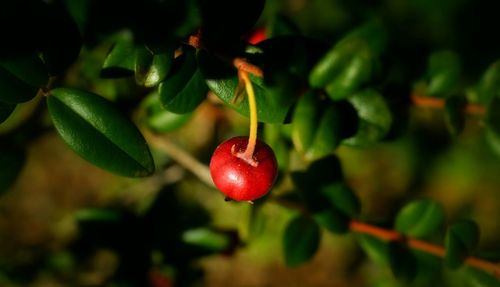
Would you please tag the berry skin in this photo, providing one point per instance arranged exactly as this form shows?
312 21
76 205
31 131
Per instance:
243 179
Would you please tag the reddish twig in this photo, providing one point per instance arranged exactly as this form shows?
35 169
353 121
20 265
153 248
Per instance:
436 103
438 251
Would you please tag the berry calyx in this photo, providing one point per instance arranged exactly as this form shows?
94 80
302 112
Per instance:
241 178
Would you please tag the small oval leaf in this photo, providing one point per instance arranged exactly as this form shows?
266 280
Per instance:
333 220
489 84
301 240
444 73
152 68
99 133
29 68
185 87
375 118
327 136
420 218
356 73
455 114
304 121
343 198
461 239
402 262
120 61
14 90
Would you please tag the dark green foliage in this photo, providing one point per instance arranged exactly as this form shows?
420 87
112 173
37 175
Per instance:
105 137
301 240
420 218
461 240
402 262
11 163
5 110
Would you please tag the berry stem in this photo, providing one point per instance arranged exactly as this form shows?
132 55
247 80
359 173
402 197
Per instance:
252 139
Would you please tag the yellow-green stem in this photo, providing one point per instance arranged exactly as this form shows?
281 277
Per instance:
252 104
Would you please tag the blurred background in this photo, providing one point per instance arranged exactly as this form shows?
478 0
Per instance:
65 222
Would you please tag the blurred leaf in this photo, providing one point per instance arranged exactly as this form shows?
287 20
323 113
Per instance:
328 67
159 119
280 25
222 80
492 121
28 68
301 240
152 68
184 89
333 220
443 72
121 59
489 84
327 136
420 218
355 73
99 133
206 238
479 278
402 262
97 214
304 121
11 163
461 239
375 248
5 111
375 118
14 90
455 114
343 198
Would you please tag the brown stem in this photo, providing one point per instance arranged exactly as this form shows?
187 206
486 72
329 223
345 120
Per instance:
436 103
438 251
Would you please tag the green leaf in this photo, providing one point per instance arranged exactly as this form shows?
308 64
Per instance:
343 198
375 118
280 25
5 111
479 278
420 218
304 121
121 59
402 262
333 220
206 239
489 84
159 119
375 248
327 136
461 239
14 90
222 80
11 163
356 73
301 240
152 68
185 88
99 133
443 72
29 68
492 128
97 214
455 114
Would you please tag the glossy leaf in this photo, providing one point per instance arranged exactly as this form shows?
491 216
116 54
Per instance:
99 133
301 240
420 218
443 72
222 80
455 114
5 111
402 262
489 84
152 68
11 163
14 90
327 136
185 87
461 240
375 118
121 59
343 198
28 68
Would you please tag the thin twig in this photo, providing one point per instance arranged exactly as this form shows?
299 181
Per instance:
437 103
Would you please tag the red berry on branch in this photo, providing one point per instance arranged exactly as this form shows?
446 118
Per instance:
239 178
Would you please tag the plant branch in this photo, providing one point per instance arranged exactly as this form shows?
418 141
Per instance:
181 156
437 103
438 251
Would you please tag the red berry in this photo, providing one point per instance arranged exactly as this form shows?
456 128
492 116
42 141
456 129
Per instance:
238 178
